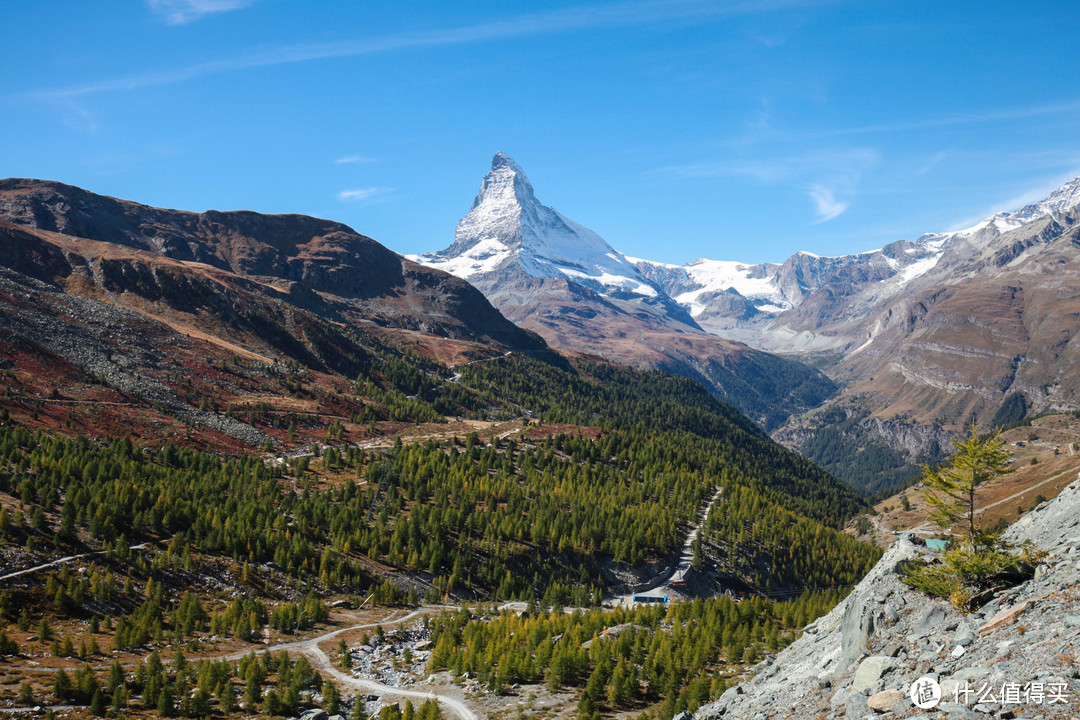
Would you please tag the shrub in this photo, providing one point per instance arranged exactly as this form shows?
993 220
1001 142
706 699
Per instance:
966 574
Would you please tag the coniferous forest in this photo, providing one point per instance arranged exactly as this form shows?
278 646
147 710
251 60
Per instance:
608 467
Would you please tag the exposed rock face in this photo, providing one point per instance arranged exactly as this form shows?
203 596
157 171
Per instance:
872 453
863 657
989 333
924 334
509 233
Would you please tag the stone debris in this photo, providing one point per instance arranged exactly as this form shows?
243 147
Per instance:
1017 656
885 700
386 662
1003 618
110 343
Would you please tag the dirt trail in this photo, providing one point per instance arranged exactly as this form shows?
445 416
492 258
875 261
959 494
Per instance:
686 558
1002 501
449 696
321 661
69 558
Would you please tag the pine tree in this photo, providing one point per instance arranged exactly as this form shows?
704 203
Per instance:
331 698
44 631
950 489
61 685
344 658
165 705
271 704
97 704
116 676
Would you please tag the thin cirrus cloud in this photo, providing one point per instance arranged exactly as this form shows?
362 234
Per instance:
353 160
850 162
556 21
182 12
364 195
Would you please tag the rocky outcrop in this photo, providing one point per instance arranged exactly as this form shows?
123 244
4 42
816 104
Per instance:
1014 657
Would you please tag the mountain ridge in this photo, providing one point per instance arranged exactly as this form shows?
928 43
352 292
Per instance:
896 328
368 281
759 303
556 277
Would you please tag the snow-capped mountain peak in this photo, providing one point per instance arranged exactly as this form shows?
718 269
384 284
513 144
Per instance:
504 188
1065 198
508 226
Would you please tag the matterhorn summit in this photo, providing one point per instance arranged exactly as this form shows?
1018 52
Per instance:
548 274
508 229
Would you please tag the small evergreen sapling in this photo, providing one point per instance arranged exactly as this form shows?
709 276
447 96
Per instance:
950 489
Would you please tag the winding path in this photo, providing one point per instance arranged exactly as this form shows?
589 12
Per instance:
321 661
69 558
686 558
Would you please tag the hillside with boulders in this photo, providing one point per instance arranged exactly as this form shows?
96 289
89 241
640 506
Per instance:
1012 657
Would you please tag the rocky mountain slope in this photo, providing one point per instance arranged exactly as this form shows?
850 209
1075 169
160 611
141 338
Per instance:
319 262
1013 657
168 323
508 230
987 333
922 336
811 303
550 274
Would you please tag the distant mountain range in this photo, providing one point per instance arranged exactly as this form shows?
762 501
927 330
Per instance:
920 337
761 303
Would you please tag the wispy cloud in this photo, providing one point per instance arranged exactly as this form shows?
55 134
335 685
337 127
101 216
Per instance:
364 195
829 177
353 160
780 168
828 207
1018 200
557 21
930 163
929 122
182 12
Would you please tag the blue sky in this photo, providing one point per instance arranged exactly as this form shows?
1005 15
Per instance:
740 130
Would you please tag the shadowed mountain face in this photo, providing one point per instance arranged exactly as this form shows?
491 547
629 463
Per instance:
551 275
322 265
